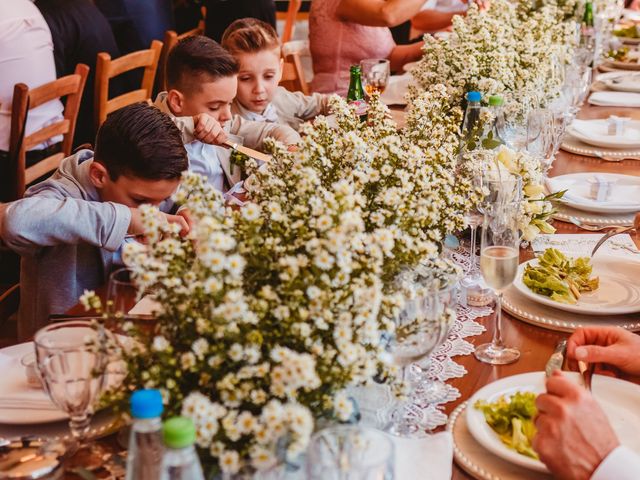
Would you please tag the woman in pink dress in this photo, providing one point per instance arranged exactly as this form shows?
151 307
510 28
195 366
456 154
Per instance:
344 32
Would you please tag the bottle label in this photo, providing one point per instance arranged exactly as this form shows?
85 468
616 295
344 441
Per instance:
360 106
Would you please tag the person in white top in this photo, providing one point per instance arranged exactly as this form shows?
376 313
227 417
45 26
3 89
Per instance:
26 56
574 438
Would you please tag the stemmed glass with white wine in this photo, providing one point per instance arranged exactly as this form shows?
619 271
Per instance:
499 254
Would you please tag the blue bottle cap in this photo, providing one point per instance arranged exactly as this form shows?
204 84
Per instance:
474 96
146 404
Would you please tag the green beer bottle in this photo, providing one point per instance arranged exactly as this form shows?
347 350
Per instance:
588 31
355 96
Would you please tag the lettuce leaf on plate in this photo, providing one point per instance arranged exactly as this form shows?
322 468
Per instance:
512 419
560 278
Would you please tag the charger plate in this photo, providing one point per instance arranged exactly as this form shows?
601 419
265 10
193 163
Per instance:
564 213
572 145
476 460
552 318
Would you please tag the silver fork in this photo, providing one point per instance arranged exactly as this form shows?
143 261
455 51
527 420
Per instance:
610 234
594 228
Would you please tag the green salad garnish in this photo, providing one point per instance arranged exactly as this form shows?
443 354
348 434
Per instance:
628 32
512 419
560 278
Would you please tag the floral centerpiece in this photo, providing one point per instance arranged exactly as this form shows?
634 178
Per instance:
537 208
269 311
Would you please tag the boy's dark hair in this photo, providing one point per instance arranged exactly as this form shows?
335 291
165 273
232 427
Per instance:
195 59
140 141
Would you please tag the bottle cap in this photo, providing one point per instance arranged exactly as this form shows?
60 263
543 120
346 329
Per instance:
474 96
146 404
496 101
179 432
355 68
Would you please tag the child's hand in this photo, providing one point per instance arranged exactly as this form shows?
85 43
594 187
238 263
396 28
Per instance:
208 130
136 228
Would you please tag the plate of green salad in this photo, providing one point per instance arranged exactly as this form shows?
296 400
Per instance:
603 285
500 416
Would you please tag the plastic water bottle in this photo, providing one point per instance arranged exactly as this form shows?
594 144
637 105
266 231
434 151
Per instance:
472 128
144 458
180 460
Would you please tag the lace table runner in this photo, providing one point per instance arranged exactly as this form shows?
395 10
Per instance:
376 402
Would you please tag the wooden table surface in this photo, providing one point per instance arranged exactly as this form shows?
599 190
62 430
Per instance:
536 344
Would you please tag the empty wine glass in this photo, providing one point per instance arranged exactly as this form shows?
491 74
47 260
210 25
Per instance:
419 326
499 265
72 359
350 453
512 124
445 285
540 136
375 75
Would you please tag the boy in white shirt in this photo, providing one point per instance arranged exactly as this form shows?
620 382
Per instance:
201 85
256 47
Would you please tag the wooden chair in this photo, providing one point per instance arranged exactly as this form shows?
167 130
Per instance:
290 20
25 100
292 72
9 303
171 38
106 69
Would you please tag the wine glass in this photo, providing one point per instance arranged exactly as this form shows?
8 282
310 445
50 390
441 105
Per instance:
445 285
418 329
72 359
512 123
349 452
540 136
499 265
375 75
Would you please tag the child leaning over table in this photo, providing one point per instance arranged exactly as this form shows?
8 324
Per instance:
202 83
256 47
69 228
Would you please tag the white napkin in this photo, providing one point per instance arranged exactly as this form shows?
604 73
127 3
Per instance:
580 192
396 90
621 81
146 306
16 392
597 131
428 458
615 99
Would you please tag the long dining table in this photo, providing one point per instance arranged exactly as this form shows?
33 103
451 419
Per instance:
536 344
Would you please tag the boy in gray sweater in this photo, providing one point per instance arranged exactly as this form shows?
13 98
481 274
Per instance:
68 228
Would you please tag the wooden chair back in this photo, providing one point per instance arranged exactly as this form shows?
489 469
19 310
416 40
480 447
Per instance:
293 78
106 69
290 20
9 303
171 38
24 100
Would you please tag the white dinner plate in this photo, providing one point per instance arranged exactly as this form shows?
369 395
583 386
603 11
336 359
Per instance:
623 82
617 294
618 399
407 67
595 132
625 196
14 380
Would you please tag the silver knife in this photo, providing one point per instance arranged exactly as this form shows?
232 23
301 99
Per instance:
556 359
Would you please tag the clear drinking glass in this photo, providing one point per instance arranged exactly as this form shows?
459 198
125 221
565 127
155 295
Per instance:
512 126
72 360
427 390
499 256
350 453
540 136
427 312
122 293
375 75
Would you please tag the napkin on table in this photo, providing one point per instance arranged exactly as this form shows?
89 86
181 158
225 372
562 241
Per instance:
599 130
428 458
615 99
19 394
579 192
396 90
